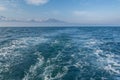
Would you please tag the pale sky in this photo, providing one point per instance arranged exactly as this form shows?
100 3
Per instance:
72 11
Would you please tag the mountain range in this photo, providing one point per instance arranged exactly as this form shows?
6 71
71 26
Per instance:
50 20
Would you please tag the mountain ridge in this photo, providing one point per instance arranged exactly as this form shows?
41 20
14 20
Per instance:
49 20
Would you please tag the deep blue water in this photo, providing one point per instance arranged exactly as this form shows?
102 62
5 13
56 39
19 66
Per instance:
86 53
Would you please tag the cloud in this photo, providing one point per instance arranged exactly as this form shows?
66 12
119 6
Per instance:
2 8
95 17
80 13
36 2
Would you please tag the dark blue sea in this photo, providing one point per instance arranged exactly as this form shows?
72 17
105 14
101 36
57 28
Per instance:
64 53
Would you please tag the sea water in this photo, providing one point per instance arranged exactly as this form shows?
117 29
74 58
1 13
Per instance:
64 53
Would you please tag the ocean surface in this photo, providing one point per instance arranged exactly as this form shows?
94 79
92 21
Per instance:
85 53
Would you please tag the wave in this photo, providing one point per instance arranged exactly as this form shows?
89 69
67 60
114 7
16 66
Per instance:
33 71
11 53
63 54
106 60
91 53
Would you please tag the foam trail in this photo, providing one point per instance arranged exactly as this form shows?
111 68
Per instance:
10 54
47 75
60 54
32 73
106 61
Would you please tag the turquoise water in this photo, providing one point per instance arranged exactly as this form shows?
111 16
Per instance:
86 53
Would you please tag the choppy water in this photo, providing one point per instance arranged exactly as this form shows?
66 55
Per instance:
60 53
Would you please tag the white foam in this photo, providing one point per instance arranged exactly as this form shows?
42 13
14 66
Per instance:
33 69
91 43
29 41
21 43
106 61
47 75
57 56
113 63
109 62
56 42
11 57
98 52
110 68
77 65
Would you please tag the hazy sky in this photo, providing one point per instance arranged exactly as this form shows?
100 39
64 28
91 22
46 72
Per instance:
74 11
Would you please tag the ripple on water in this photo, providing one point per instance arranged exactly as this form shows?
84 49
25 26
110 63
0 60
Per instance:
11 54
